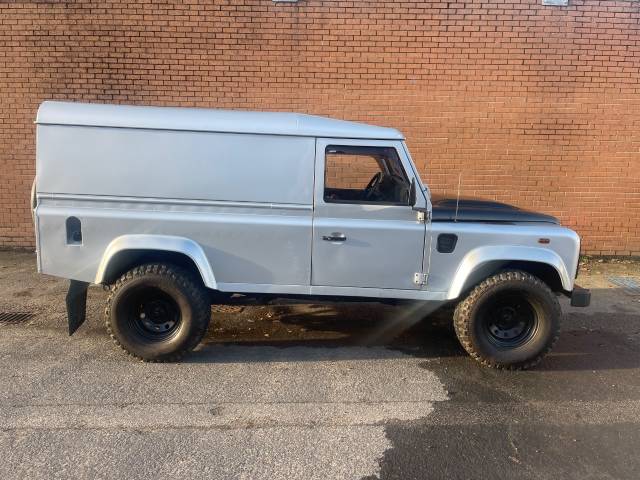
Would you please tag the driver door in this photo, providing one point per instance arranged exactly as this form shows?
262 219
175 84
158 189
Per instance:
364 232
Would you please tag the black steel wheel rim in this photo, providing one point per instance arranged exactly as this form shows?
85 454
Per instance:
509 319
153 313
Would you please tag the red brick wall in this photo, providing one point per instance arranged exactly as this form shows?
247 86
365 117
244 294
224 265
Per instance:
535 105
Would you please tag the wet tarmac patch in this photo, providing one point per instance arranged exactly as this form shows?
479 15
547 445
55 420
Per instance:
531 450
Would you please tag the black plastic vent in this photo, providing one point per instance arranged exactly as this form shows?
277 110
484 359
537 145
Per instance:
74 231
447 242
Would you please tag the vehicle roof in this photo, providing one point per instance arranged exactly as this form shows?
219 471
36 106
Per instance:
207 120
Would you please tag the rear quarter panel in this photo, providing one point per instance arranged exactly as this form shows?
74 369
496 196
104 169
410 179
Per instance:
243 244
247 200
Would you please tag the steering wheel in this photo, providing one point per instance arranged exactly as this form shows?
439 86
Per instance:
373 183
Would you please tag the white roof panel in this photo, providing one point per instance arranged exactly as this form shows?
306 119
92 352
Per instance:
207 120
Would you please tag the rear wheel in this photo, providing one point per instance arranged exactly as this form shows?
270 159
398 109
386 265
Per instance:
157 312
509 321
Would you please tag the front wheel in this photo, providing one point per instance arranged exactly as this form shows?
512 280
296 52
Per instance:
509 321
157 312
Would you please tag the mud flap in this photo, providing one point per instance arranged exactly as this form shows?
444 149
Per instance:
76 304
580 297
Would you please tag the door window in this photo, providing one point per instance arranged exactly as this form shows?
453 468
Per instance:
368 175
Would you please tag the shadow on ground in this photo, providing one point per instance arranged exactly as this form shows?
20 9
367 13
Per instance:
586 343
333 326
530 451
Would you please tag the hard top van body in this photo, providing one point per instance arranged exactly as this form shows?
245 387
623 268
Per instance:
268 204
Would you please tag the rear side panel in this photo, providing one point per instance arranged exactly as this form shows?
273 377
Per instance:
258 244
245 199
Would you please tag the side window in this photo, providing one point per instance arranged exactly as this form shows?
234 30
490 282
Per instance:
364 175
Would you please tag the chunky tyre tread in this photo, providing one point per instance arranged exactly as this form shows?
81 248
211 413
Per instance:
185 279
462 317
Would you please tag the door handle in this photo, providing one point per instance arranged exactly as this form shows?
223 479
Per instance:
335 237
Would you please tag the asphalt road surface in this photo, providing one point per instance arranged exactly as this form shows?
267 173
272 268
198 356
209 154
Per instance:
315 392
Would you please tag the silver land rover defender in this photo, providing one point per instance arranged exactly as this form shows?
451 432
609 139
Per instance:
175 209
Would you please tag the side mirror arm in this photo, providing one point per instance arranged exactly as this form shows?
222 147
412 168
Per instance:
412 193
413 198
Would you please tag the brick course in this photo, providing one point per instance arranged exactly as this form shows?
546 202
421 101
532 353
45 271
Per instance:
535 105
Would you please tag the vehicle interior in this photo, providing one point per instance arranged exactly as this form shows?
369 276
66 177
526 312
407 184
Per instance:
356 174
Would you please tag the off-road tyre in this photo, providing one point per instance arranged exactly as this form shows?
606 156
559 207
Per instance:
475 321
164 288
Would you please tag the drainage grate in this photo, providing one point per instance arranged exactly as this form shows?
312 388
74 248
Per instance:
11 318
226 309
631 285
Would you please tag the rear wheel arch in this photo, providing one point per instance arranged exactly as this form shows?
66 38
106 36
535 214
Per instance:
127 252
125 260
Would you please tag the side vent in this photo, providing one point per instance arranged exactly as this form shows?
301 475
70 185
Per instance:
447 242
74 231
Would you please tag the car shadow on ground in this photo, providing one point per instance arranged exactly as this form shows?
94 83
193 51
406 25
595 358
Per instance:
587 341
593 349
399 329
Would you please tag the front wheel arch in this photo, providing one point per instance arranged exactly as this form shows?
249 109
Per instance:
545 272
483 262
